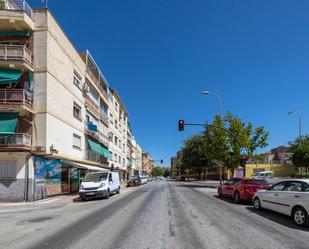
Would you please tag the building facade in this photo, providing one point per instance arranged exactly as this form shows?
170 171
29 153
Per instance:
59 118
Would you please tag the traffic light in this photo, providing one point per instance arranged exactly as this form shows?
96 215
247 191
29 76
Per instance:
243 161
181 125
161 161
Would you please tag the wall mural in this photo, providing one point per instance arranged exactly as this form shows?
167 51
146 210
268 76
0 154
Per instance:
47 177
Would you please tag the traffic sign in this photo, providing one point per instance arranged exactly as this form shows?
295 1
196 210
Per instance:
244 151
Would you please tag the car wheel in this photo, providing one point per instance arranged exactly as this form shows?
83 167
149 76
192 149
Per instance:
118 191
83 198
300 217
236 197
257 204
107 194
220 192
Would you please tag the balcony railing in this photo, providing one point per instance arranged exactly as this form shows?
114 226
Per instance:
104 118
16 97
104 139
97 82
96 157
17 140
92 105
15 53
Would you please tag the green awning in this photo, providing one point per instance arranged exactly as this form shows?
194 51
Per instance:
129 162
106 153
8 122
15 33
9 76
94 146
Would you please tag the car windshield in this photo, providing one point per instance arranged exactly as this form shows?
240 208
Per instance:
95 177
257 182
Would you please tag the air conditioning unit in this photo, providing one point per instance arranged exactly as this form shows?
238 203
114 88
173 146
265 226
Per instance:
86 88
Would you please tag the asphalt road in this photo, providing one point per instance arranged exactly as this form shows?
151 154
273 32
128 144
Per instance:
158 215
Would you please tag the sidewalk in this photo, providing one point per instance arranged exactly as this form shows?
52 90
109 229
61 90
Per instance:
59 199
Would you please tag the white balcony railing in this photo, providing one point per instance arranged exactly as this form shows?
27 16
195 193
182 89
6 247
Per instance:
104 117
19 5
20 139
16 97
15 53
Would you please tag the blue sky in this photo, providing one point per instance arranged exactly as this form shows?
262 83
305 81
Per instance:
160 54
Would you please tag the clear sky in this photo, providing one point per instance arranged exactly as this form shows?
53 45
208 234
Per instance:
160 54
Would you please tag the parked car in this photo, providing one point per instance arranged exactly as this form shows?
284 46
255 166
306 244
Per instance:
143 179
242 188
289 197
264 175
99 184
134 181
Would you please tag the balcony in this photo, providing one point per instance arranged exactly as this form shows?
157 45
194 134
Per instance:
92 106
17 14
13 54
17 141
104 118
96 157
96 82
92 130
16 99
129 155
104 139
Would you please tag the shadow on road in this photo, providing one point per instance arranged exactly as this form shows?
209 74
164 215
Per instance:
231 201
278 218
196 186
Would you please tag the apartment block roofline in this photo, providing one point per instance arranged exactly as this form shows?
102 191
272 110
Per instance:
88 55
115 93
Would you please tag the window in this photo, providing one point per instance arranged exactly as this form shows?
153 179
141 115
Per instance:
115 157
116 124
110 178
77 141
119 143
119 159
294 186
116 107
77 79
116 140
123 162
279 187
77 111
8 169
124 148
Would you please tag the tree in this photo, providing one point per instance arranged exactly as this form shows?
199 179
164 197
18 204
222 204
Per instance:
157 171
2 5
193 155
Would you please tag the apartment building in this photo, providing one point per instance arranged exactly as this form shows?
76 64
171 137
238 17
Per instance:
59 118
147 163
139 153
118 118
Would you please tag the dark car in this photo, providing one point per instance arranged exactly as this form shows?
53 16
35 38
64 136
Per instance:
134 181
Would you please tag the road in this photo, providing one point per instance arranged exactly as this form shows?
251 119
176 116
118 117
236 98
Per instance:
163 214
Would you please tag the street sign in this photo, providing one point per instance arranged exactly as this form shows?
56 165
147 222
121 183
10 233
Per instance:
244 151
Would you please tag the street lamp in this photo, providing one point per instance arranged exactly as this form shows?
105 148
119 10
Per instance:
218 97
299 118
221 116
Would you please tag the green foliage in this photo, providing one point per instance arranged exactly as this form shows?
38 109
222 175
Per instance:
216 146
300 157
2 5
157 171
295 145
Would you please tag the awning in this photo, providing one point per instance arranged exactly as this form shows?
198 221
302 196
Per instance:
9 76
94 146
106 153
15 33
8 122
84 166
129 162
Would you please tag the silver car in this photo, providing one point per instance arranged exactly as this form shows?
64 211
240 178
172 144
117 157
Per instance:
289 197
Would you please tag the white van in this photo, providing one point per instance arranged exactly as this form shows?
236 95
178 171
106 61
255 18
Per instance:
99 184
264 175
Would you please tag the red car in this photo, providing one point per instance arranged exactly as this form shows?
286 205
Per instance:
242 188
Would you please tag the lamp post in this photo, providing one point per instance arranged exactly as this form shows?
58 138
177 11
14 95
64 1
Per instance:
221 116
299 118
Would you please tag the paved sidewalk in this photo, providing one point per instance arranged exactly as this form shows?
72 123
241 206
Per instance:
60 199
